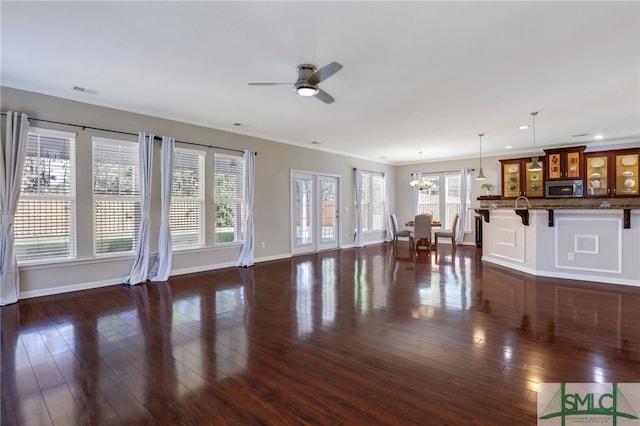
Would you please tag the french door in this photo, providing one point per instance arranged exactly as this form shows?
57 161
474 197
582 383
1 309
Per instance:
314 212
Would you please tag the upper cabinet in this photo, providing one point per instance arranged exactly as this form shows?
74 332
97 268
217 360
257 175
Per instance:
612 173
564 163
518 180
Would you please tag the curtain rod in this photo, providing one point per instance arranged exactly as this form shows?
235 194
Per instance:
368 171
445 171
127 133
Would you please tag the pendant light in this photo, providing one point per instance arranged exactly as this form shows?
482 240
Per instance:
535 165
481 175
416 178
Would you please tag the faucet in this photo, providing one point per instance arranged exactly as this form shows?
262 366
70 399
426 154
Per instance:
522 197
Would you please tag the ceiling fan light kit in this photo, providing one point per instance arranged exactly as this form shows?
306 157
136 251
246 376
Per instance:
308 79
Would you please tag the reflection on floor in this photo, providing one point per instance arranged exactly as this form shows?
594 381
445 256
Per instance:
353 336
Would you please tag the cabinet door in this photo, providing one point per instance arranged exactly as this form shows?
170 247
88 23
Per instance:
573 165
554 165
626 174
597 170
511 180
534 184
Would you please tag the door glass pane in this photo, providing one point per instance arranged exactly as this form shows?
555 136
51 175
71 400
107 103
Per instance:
303 218
328 194
597 173
554 166
627 174
573 160
535 186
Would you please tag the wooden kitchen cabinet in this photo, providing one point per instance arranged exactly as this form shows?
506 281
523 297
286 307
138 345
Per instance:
612 173
518 180
565 163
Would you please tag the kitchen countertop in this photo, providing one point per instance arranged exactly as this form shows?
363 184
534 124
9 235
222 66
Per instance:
568 204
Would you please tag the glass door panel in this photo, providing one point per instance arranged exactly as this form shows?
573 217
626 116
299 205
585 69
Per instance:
627 174
535 185
573 165
303 211
597 169
554 171
511 184
328 191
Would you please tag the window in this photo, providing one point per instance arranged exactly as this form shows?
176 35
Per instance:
187 199
228 196
453 200
429 197
373 201
44 225
116 195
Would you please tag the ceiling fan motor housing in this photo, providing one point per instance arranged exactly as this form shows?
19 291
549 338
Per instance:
305 85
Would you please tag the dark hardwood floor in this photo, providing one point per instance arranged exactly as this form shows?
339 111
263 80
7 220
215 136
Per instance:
358 336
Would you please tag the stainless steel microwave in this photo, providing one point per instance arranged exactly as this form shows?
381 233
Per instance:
563 189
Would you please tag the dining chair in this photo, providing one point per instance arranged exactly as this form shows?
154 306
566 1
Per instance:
399 233
422 231
447 233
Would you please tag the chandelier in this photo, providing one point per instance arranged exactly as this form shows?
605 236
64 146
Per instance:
418 181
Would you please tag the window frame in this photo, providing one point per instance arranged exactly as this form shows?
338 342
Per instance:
133 198
200 200
238 201
70 197
373 209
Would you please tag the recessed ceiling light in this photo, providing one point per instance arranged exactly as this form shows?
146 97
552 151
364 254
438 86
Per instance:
598 137
524 127
508 147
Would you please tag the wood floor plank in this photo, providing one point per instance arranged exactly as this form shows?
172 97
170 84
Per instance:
357 336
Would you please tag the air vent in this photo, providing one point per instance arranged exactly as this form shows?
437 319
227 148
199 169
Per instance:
85 90
580 135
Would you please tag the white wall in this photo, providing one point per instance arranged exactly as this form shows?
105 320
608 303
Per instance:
272 204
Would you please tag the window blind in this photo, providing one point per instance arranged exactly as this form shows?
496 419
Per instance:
44 225
116 195
228 193
187 199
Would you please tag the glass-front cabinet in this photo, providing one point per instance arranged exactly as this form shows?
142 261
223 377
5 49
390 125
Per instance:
518 180
626 173
612 173
564 163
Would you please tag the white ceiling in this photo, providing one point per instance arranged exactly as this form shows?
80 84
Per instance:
417 76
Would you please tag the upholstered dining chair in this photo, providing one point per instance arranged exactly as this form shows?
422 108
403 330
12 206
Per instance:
399 233
447 233
422 231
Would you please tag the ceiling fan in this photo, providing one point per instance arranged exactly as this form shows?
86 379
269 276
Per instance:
308 79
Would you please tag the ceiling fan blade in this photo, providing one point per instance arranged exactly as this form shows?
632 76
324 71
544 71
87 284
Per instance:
324 97
271 84
326 72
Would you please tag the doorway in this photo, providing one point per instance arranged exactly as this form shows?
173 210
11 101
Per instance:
315 212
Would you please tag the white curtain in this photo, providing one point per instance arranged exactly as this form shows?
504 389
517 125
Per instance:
416 200
140 269
357 181
464 208
162 267
387 211
12 155
246 254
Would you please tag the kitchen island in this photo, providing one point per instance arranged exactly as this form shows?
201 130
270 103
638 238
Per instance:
568 239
